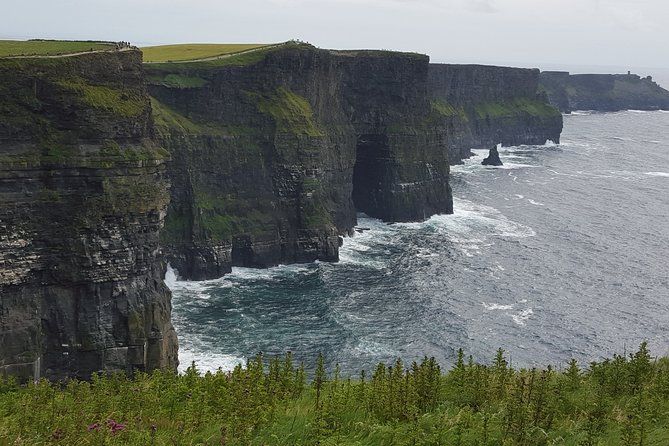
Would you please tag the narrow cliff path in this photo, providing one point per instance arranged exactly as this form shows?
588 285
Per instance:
221 56
227 55
80 53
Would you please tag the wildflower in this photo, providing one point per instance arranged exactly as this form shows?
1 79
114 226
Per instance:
115 427
93 427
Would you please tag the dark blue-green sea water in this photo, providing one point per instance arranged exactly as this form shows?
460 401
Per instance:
562 252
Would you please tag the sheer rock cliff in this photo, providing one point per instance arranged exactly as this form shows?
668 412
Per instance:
83 194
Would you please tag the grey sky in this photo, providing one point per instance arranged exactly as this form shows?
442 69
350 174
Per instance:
544 33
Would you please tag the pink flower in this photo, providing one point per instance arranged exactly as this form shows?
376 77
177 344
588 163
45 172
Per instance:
93 427
115 427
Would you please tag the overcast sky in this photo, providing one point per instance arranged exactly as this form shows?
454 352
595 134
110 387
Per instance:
545 33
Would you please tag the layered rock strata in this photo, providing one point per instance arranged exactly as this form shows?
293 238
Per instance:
83 195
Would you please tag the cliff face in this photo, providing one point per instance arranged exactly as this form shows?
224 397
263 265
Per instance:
401 169
485 105
603 92
270 154
84 192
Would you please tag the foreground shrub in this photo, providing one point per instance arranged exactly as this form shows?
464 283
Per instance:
622 401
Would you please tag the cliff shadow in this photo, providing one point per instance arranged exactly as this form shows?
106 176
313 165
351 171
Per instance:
371 175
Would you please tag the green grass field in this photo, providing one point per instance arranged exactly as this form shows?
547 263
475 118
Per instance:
48 47
193 51
623 401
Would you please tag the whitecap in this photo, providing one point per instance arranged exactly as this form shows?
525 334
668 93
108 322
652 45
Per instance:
492 307
241 273
536 203
357 248
657 174
521 317
369 347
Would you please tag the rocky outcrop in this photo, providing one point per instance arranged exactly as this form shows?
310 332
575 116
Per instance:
273 153
603 92
486 105
83 194
493 158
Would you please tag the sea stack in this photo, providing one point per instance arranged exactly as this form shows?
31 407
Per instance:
493 158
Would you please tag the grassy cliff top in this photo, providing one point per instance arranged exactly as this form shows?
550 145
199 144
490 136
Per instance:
9 48
241 58
378 53
195 51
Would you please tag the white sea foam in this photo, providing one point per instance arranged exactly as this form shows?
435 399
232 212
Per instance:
536 203
521 317
193 286
657 174
479 220
510 166
472 226
369 347
581 112
207 361
239 273
170 277
357 248
492 307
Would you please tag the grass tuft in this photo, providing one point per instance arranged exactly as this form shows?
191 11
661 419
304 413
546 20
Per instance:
292 112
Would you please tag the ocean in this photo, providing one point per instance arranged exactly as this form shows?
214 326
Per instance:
562 252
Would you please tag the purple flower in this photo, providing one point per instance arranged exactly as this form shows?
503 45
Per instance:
115 427
93 427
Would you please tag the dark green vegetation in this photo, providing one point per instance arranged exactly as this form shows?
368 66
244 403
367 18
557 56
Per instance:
621 401
50 47
291 112
516 107
193 51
